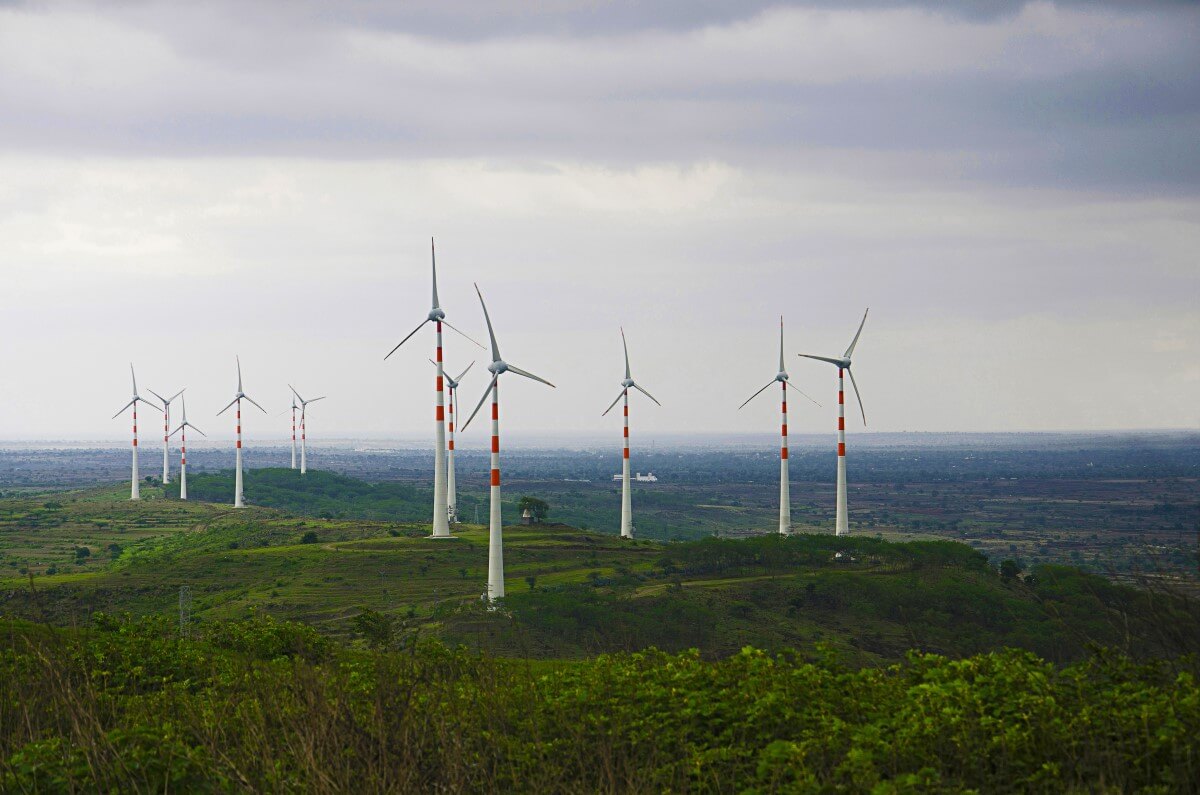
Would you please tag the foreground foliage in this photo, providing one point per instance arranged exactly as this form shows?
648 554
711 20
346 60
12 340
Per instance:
272 706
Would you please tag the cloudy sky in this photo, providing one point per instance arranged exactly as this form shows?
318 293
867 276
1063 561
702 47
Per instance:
1012 188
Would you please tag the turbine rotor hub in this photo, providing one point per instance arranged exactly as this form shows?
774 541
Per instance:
437 314
497 367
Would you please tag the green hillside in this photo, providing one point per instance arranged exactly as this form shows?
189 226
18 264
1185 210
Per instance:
570 593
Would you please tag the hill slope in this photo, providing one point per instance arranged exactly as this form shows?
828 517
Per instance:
571 593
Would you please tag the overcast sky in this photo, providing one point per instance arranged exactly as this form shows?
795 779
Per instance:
1013 189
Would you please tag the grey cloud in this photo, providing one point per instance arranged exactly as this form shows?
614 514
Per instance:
1116 105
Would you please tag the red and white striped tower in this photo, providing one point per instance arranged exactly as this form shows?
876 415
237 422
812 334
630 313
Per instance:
441 510
626 496
238 501
626 493
303 441
451 491
135 492
785 498
166 476
495 583
166 410
134 488
183 463
842 525
182 431
293 433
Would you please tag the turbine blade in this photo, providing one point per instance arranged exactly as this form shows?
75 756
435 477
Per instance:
184 401
406 339
177 430
314 400
756 394
462 333
122 411
239 365
160 397
610 405
491 333
802 392
857 396
197 430
479 405
260 408
464 372
133 378
821 358
433 261
626 347
850 350
647 394
781 367
527 374
294 392
177 394
222 411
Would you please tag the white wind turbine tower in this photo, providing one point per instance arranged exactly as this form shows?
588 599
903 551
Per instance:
842 526
495 584
166 478
785 499
303 433
451 492
238 500
182 431
134 492
441 523
626 497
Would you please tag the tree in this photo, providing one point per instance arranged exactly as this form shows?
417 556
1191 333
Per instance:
375 627
538 509
1009 569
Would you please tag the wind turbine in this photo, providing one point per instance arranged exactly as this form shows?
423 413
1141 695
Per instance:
441 524
495 584
182 431
451 493
303 414
785 499
134 492
626 497
166 478
842 525
238 500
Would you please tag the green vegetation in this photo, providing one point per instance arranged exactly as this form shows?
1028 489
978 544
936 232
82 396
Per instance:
570 593
271 706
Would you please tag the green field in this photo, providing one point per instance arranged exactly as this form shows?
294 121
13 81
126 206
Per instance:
571 593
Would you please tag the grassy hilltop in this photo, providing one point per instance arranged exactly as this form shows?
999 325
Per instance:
333 647
570 592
